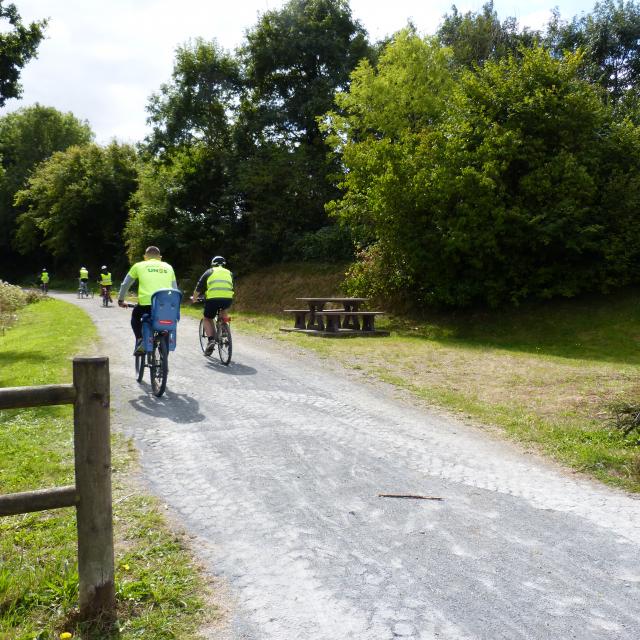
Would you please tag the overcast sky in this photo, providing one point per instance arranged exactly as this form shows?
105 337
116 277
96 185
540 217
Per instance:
103 58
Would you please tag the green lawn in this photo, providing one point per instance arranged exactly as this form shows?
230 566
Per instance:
545 373
160 593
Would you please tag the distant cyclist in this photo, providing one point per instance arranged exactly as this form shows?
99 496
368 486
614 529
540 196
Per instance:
44 280
105 280
217 283
84 279
152 275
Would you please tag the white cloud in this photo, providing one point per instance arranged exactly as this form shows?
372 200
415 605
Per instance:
102 60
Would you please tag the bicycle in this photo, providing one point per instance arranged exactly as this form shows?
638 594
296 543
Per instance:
158 338
83 290
222 338
105 294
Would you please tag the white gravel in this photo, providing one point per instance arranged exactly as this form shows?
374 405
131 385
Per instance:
275 464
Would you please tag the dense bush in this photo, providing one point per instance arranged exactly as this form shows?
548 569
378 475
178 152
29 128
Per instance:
332 243
12 299
520 184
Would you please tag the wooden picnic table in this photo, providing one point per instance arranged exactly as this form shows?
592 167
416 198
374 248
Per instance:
317 304
348 319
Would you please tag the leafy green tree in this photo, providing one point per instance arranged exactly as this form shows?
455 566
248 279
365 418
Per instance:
514 190
27 137
18 44
195 106
295 59
476 37
183 204
184 199
610 40
75 205
381 123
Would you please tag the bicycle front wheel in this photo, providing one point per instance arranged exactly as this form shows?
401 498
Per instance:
203 336
159 366
224 343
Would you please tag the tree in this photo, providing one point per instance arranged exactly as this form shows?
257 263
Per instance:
184 199
524 186
295 59
27 137
183 203
75 205
18 44
196 106
476 37
610 40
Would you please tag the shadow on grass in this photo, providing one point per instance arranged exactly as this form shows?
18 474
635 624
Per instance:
597 327
13 356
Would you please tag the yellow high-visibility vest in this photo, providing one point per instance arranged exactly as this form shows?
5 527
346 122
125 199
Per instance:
220 284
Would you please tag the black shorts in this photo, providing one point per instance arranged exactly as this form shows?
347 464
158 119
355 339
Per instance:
211 306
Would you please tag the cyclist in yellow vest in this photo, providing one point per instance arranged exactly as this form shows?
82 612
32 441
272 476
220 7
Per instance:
44 280
84 278
105 279
218 281
152 275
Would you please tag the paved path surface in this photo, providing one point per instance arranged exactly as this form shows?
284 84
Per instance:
275 465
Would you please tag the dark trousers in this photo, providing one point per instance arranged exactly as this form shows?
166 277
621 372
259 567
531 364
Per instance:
136 318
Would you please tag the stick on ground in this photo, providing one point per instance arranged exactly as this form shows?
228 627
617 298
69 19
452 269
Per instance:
407 495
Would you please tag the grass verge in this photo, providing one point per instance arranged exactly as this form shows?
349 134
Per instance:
160 591
546 374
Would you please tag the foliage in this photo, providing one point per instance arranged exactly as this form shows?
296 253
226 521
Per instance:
184 199
476 37
76 204
194 107
332 242
27 137
12 299
294 60
182 205
626 418
610 40
18 44
524 185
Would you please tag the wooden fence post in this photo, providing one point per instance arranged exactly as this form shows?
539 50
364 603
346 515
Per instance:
93 483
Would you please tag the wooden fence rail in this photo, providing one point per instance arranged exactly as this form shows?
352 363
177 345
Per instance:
91 494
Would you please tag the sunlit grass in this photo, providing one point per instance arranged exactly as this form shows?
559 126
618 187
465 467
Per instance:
160 593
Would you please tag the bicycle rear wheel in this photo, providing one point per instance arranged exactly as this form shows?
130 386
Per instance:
159 366
224 343
140 366
203 336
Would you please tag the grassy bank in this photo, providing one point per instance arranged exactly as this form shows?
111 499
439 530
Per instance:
546 373
159 590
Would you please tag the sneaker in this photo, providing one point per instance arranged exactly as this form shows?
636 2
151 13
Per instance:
210 347
139 350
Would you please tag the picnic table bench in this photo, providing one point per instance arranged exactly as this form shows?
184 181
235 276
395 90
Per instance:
349 319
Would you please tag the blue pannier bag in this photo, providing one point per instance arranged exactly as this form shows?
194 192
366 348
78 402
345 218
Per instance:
165 313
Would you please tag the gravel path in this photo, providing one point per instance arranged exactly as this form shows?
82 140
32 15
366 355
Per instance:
275 465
